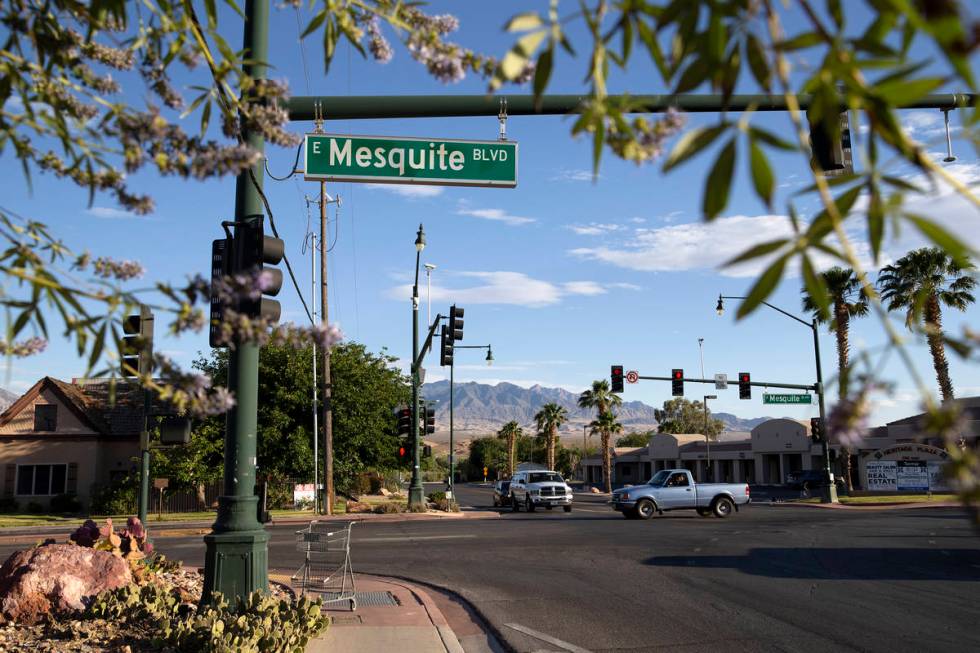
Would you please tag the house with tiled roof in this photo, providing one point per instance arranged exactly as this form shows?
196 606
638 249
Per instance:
69 438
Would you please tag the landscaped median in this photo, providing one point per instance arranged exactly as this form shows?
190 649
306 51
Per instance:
879 501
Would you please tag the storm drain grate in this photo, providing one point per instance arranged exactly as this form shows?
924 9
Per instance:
346 621
376 599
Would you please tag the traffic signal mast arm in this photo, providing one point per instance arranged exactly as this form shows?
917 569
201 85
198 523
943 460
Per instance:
765 384
432 106
424 349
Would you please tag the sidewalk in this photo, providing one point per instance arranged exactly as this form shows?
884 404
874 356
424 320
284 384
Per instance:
396 615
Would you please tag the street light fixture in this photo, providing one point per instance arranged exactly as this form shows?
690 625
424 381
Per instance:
420 240
489 356
829 494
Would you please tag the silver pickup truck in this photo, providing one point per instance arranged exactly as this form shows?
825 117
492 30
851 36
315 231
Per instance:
675 489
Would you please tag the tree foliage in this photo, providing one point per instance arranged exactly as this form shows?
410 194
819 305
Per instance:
636 439
680 415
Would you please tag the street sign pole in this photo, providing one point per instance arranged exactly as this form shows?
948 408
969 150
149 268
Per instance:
829 494
236 560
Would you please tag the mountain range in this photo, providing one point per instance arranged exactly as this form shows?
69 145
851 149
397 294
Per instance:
482 409
6 398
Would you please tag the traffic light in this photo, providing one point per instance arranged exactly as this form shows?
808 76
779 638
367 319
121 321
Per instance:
430 420
137 343
255 249
830 143
744 385
404 421
403 451
816 430
446 347
221 254
677 382
455 323
427 451
616 376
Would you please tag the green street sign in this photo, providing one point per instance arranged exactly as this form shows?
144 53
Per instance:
786 399
407 160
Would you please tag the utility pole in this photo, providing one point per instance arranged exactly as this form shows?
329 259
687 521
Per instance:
236 559
316 408
324 320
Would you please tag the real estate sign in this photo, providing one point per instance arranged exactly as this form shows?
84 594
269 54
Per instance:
907 467
409 160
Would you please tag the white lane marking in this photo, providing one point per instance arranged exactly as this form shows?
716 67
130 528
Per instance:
547 638
413 537
605 512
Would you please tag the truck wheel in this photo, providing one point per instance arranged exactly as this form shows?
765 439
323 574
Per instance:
645 509
723 507
567 508
704 512
529 504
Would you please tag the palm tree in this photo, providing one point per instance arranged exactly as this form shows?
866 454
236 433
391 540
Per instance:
600 397
921 282
606 425
549 419
847 300
510 431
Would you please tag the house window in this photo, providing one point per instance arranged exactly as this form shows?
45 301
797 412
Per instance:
46 417
41 480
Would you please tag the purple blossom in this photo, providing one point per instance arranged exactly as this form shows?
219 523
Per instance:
107 268
22 349
380 47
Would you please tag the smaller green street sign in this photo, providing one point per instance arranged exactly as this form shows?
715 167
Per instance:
786 399
408 160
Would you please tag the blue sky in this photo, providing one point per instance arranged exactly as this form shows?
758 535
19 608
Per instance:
563 275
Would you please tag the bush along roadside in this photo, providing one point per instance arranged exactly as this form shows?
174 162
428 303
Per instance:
257 624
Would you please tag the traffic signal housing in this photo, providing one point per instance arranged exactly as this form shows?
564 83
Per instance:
830 143
255 249
744 385
445 347
455 323
616 377
817 433
430 420
222 251
137 343
677 382
404 421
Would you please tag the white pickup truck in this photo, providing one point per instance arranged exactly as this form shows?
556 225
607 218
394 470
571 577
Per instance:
675 489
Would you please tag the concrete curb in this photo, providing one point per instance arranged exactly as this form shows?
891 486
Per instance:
870 506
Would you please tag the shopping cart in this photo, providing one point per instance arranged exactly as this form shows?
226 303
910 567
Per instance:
326 568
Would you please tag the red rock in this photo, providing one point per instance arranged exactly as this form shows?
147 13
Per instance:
57 578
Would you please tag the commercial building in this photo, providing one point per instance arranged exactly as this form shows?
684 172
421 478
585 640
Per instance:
900 456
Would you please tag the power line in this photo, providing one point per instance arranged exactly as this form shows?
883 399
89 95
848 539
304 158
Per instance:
272 223
292 171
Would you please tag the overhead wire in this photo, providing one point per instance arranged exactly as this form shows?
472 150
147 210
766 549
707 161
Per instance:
292 171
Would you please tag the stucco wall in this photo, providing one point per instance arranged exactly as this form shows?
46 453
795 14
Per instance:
780 436
68 422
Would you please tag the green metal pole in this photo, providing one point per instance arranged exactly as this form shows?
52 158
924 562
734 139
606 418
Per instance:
440 106
416 493
829 494
144 498
452 455
236 561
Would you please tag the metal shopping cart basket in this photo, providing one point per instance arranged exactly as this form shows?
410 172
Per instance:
327 568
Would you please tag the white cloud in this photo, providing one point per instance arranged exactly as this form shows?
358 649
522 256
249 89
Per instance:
583 288
566 174
698 245
638 220
671 217
110 213
508 288
498 215
594 228
625 286
413 191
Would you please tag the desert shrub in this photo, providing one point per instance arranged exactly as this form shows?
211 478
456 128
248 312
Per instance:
279 494
257 624
391 484
361 485
375 484
65 504
9 504
436 497
417 508
389 507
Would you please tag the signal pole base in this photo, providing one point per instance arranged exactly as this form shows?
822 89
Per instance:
829 494
416 496
236 560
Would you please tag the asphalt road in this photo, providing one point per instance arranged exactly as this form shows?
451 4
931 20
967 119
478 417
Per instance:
766 579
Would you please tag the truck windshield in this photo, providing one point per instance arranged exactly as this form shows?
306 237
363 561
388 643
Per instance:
544 478
659 478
